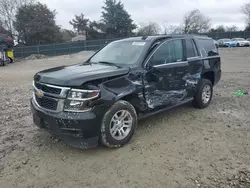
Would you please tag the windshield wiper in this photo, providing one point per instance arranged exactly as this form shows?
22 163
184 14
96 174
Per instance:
109 63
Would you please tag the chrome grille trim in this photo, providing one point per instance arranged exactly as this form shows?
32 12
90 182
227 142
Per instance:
59 98
60 104
63 93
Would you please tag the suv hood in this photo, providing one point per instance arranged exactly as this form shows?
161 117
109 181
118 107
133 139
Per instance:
76 75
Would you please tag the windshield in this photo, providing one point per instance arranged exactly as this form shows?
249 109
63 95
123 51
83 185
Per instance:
121 52
240 39
226 40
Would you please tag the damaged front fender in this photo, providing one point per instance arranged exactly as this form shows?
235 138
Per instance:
128 87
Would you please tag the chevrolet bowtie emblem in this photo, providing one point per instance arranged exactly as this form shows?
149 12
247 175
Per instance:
39 94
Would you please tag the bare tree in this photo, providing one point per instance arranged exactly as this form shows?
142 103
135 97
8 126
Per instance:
151 28
232 28
8 9
245 9
172 29
196 22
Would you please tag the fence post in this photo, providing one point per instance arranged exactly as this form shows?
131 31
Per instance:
54 48
38 50
22 52
244 34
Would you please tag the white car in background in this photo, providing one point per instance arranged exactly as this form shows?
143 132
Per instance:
241 42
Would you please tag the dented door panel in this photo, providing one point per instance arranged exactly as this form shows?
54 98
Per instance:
165 86
193 76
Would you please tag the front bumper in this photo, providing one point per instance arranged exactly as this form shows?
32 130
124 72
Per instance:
79 130
243 44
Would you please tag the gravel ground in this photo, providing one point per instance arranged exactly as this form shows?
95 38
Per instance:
185 147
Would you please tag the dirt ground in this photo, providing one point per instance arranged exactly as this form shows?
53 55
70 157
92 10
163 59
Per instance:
185 147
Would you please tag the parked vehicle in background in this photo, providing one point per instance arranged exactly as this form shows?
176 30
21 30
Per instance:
248 39
103 98
225 42
216 43
6 42
241 42
233 43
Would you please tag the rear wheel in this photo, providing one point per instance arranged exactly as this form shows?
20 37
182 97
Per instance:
203 94
10 60
118 125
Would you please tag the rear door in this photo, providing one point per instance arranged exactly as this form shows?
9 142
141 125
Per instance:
195 65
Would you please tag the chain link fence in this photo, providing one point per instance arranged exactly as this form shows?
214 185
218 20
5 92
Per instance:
61 48
93 45
230 35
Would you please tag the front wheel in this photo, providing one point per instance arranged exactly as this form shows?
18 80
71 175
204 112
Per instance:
203 94
118 125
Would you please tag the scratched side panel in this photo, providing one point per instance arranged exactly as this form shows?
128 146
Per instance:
193 76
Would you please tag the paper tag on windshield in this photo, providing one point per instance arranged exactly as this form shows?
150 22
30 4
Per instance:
139 43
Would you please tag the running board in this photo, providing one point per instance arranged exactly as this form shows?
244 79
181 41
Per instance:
143 116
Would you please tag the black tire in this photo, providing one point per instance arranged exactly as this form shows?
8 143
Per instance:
198 102
105 136
10 60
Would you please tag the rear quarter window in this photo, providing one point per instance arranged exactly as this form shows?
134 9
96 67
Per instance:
207 47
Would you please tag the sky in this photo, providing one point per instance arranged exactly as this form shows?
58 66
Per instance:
169 12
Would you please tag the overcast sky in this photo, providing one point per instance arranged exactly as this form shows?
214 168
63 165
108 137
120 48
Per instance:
226 12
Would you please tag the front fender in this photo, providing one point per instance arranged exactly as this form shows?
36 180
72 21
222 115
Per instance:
128 87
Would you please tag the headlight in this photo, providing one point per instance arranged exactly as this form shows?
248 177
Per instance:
77 100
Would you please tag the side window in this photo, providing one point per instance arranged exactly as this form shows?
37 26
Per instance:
191 49
169 52
208 47
178 50
195 48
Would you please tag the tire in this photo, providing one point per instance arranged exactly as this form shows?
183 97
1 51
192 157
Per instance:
200 101
10 60
116 113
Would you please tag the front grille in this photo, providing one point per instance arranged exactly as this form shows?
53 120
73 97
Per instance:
47 103
48 89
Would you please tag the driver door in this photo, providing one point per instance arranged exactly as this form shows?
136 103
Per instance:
164 83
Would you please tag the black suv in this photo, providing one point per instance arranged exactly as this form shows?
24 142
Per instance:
102 99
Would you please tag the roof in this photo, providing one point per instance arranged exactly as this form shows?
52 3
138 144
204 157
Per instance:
155 37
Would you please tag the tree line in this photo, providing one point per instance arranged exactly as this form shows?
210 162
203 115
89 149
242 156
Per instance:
31 23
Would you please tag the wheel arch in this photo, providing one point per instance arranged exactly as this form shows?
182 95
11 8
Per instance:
210 76
134 99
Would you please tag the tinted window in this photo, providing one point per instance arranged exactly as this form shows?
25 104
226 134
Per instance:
169 52
191 48
207 47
